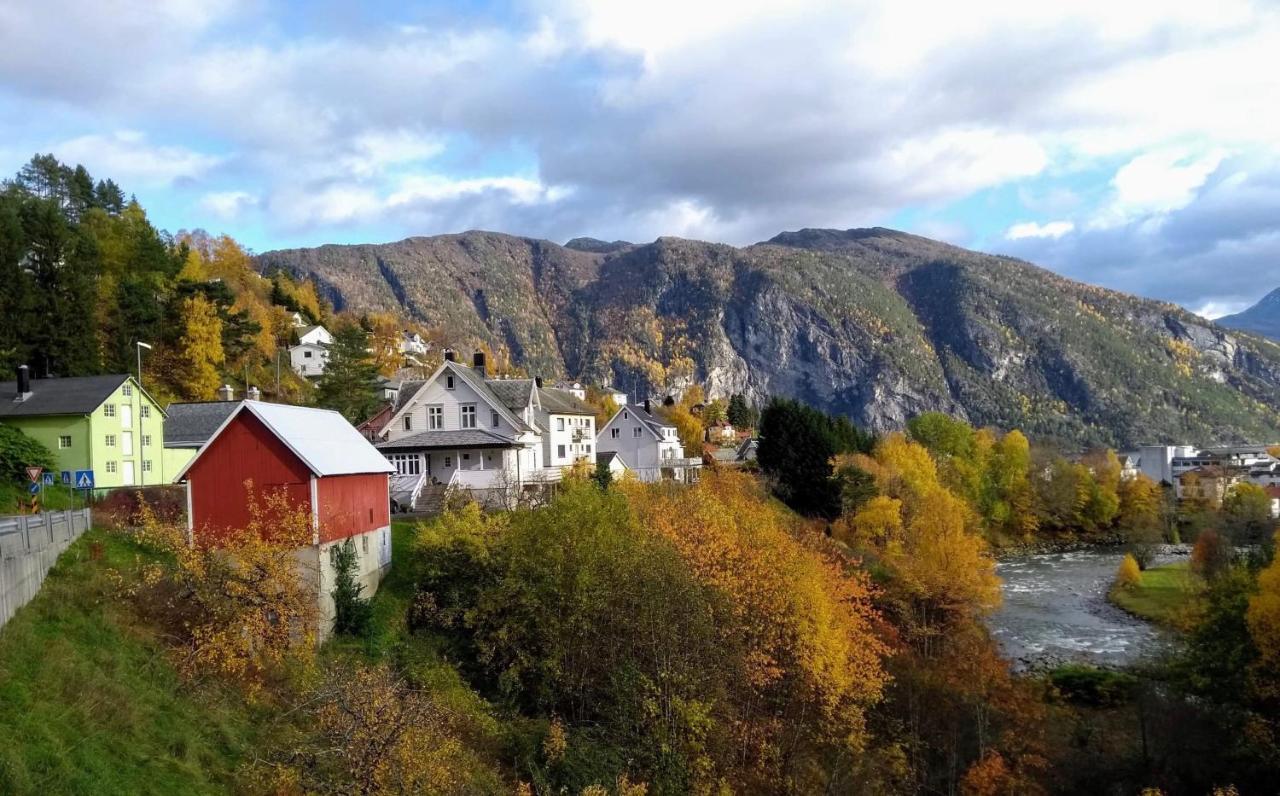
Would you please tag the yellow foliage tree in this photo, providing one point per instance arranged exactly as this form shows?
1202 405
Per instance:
384 338
1264 625
199 353
688 428
1129 574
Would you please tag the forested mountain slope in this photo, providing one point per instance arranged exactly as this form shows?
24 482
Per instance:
874 323
1262 318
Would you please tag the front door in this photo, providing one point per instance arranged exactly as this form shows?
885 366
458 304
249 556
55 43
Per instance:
126 473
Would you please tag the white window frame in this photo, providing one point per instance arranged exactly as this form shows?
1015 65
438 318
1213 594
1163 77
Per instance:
615 433
467 419
559 451
408 423
127 390
559 424
407 463
494 416
112 466
108 410
64 441
435 417
146 440
109 440
146 465
144 411
448 382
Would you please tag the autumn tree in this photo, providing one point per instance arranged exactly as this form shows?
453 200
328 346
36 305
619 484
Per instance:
199 353
1246 514
1140 520
1128 575
384 339
1264 626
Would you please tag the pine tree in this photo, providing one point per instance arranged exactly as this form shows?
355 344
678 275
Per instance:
348 384
17 291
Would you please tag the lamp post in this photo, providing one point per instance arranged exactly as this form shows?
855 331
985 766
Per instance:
141 345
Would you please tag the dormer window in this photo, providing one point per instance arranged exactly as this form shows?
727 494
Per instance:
448 382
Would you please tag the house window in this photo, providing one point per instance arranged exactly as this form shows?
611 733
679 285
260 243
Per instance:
111 440
559 424
588 450
146 440
108 410
635 432
144 412
435 417
406 463
560 451
408 423
448 461
111 467
468 412
127 391
615 433
448 382
495 419
466 457
64 441
306 355
146 465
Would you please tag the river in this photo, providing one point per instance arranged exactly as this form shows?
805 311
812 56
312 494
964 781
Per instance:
1055 609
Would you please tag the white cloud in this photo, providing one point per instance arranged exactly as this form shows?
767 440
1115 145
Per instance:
129 158
1161 181
1031 229
227 205
438 188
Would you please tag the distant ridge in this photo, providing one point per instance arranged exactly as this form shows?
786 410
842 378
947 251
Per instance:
1262 318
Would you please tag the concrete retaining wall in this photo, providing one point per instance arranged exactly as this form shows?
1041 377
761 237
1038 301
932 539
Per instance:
29 546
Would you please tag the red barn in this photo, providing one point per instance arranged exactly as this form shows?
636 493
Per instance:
316 458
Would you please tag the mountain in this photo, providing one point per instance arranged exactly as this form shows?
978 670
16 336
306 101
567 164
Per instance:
873 323
1262 318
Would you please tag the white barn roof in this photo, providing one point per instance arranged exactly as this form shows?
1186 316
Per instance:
323 439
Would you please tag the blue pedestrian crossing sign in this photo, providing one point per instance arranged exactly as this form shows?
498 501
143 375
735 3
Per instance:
84 479
66 477
48 479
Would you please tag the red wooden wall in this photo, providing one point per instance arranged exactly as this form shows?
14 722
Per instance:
245 450
353 504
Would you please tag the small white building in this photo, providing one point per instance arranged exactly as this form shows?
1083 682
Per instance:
619 397
309 359
314 334
647 446
573 388
412 344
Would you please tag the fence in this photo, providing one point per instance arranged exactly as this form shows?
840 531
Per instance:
29 546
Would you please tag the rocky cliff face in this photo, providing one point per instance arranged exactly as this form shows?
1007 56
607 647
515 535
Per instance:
876 324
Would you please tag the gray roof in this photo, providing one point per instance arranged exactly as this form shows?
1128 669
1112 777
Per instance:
604 457
468 438
74 395
190 425
407 390
562 403
512 393
648 418
483 386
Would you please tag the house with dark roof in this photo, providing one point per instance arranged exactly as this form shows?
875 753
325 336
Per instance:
647 445
497 438
187 426
107 424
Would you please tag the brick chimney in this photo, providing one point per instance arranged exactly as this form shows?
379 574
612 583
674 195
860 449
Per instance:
646 407
477 362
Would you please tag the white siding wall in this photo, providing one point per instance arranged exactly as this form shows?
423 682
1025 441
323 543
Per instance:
451 402
305 365
554 438
638 448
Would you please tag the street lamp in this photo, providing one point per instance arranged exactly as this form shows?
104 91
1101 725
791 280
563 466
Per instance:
141 345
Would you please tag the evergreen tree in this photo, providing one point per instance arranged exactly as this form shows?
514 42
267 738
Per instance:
109 197
63 262
740 413
17 291
348 384
797 443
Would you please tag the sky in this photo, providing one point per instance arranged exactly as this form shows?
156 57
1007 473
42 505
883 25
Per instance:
1128 143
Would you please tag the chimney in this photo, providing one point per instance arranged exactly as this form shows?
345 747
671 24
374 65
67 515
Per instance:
226 393
450 356
537 380
254 394
646 407
24 383
477 362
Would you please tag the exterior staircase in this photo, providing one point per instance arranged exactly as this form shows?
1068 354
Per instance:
406 491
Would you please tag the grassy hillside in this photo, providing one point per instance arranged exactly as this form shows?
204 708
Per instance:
89 702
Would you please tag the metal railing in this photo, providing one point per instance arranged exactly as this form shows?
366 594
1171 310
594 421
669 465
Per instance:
29 546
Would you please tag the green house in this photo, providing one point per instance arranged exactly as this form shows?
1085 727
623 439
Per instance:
107 424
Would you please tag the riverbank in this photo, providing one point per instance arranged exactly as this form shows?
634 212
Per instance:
1166 596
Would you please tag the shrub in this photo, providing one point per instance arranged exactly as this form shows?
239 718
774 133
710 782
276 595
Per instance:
1211 555
354 614
18 452
1092 686
1129 575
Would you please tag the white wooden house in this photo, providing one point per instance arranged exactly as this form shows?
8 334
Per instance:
646 445
499 439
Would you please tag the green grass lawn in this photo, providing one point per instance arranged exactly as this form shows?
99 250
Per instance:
89 702
1166 595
